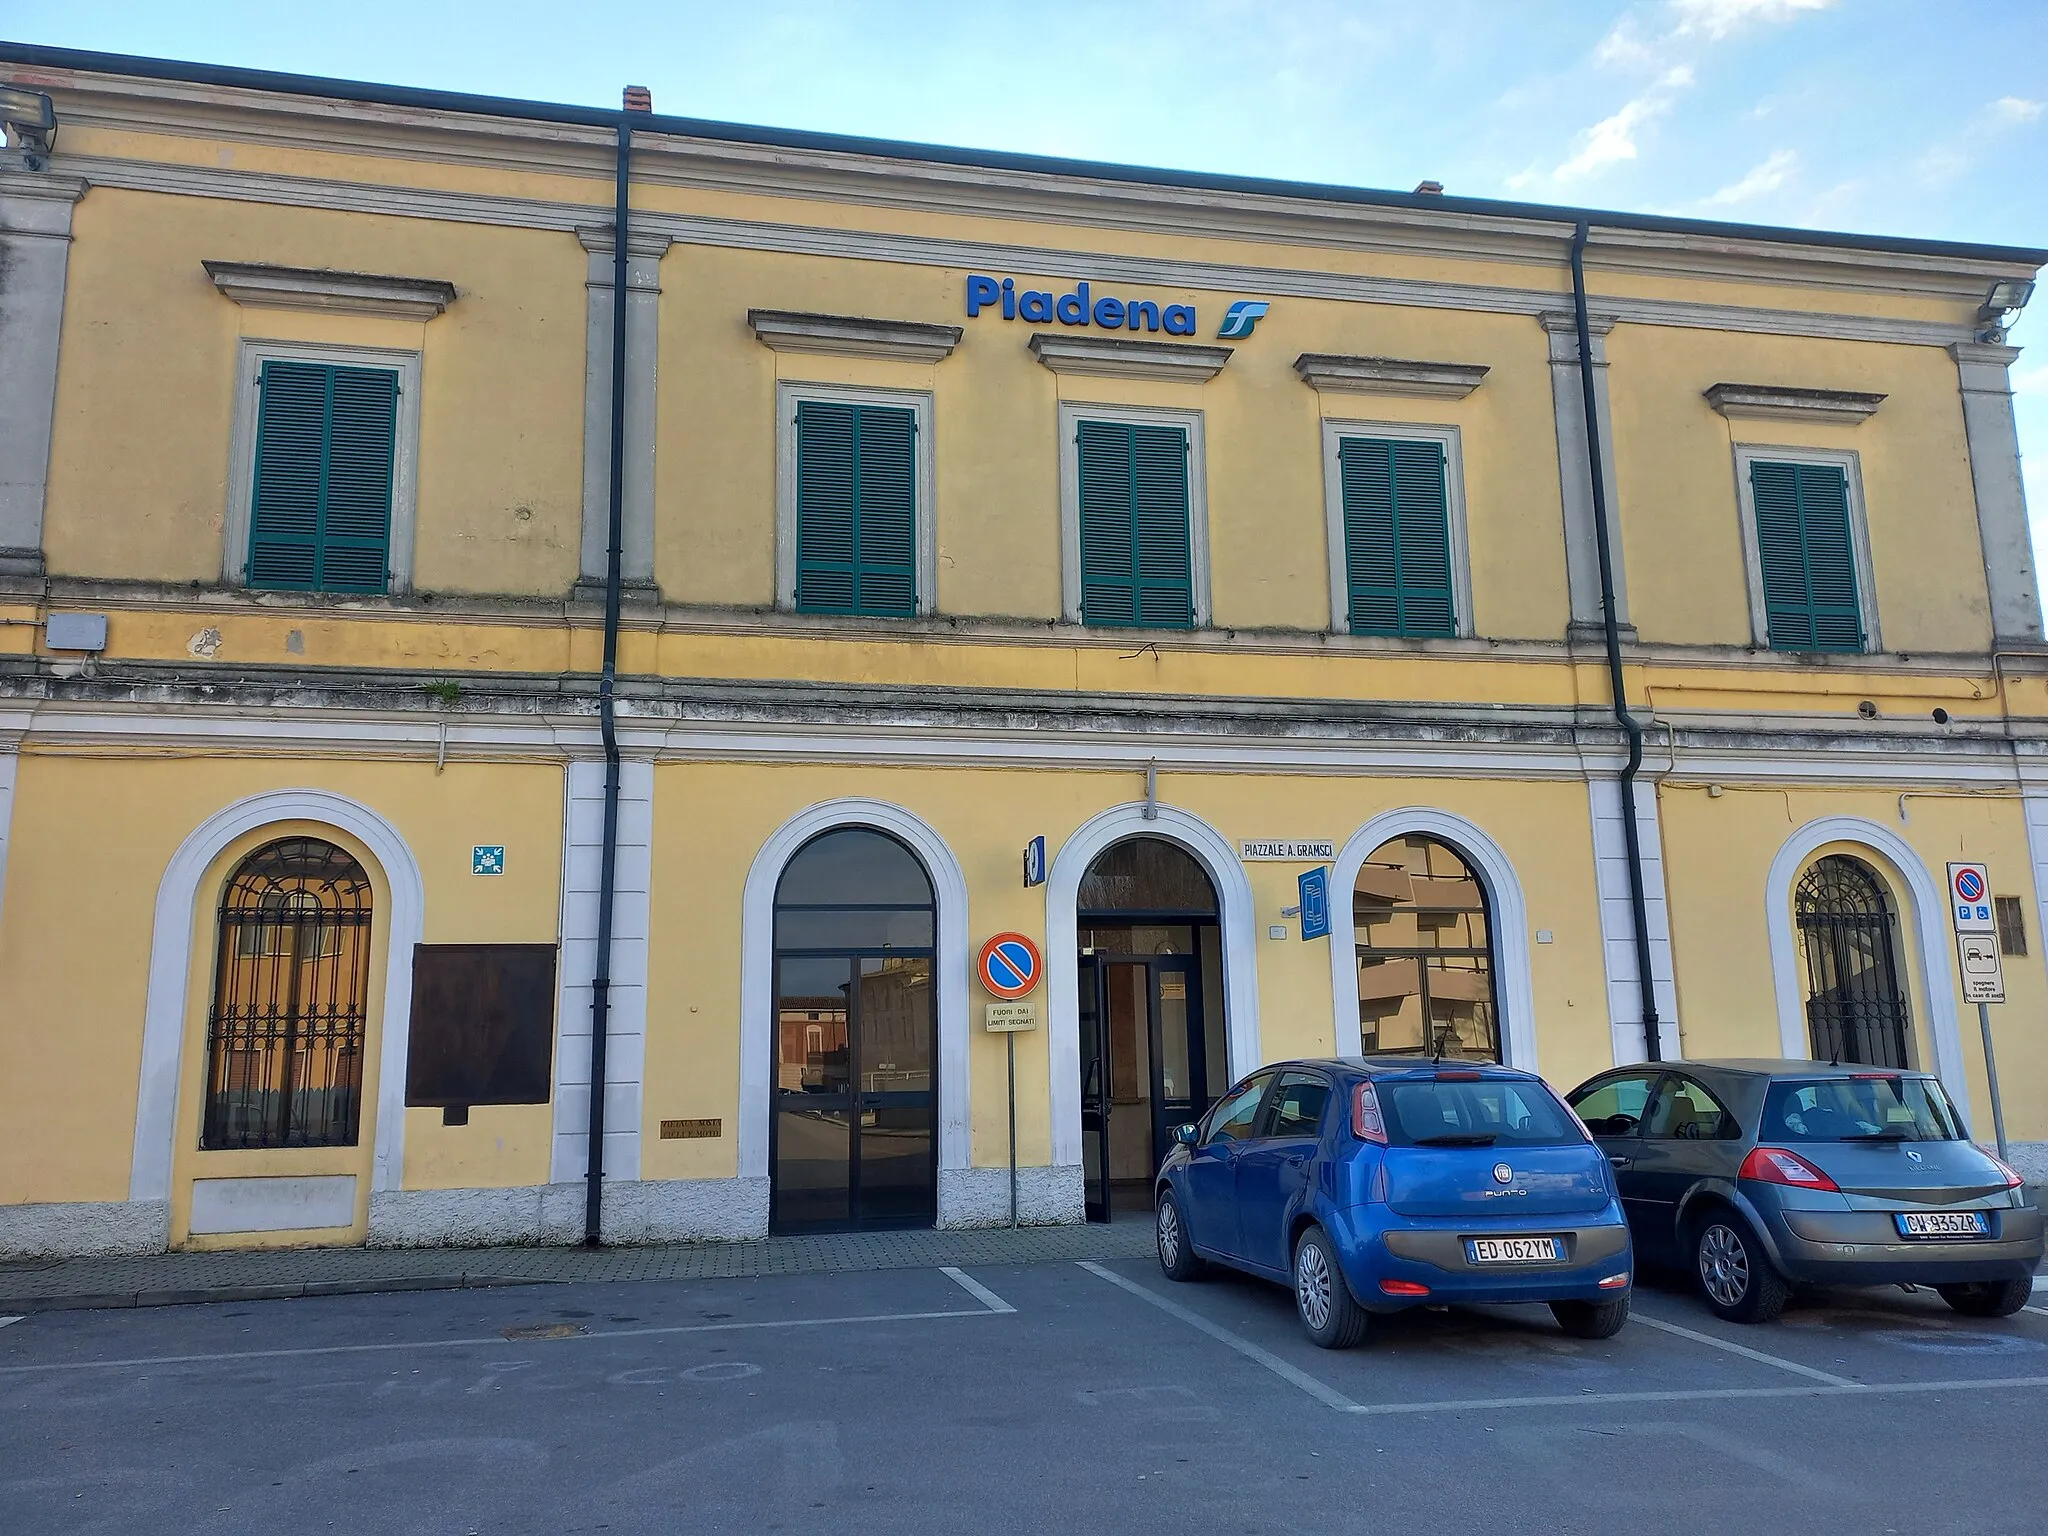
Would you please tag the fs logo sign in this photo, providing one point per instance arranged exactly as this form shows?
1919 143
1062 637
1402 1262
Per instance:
1239 319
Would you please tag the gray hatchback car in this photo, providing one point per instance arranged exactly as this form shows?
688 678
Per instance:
1758 1175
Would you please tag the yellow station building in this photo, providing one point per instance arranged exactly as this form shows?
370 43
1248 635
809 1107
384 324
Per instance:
1216 532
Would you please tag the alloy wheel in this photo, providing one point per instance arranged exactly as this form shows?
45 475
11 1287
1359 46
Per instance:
1312 1285
1724 1265
1169 1234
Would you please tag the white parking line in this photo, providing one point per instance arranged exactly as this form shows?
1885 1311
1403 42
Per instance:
1701 1395
496 1341
1746 1352
4 1321
1272 1362
976 1289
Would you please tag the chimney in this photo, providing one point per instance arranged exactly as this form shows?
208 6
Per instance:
1429 189
639 99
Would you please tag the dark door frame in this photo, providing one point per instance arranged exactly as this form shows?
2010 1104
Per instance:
1093 976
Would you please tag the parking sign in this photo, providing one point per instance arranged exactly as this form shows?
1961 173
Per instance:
1969 898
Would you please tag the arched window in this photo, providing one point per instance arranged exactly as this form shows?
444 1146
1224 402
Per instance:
1855 1005
854 1133
1425 954
284 1038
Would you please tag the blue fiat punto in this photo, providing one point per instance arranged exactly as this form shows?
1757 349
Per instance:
1373 1184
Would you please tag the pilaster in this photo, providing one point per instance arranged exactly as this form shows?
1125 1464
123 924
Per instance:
1567 396
35 248
643 299
1983 373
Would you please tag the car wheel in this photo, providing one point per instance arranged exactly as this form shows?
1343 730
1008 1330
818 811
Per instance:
1988 1298
1176 1255
1591 1319
1735 1278
1329 1312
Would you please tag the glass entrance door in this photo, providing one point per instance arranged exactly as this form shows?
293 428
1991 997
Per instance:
1144 1070
854 1132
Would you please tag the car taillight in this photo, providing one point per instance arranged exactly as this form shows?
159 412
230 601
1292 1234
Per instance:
1774 1165
1367 1123
2014 1179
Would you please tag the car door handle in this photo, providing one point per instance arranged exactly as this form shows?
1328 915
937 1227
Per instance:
1619 1161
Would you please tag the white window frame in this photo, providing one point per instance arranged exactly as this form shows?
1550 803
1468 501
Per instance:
1335 431
919 401
1072 414
249 361
1844 459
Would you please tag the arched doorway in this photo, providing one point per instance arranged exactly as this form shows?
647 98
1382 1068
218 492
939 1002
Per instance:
1424 961
1848 935
854 1111
1152 1024
285 1033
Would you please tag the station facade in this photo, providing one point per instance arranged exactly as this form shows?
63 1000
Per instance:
1213 532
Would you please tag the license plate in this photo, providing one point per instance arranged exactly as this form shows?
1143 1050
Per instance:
1513 1250
1942 1224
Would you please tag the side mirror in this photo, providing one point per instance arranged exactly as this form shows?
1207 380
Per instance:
1185 1134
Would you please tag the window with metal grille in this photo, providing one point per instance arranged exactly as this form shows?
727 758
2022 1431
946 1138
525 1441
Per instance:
1397 537
320 518
1807 556
284 1036
856 509
2011 913
1136 548
1855 1005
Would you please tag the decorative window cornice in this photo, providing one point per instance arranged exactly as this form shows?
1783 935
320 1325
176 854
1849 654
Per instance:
1121 358
348 293
1389 376
1773 401
908 341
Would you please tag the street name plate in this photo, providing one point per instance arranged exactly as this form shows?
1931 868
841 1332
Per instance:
1282 850
1010 1018
691 1130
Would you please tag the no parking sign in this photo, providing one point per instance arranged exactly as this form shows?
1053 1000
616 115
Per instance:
1009 966
1969 898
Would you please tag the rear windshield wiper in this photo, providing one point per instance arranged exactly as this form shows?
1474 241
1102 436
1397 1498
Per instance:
1458 1139
1879 1136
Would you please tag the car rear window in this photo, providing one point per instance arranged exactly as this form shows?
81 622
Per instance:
1874 1108
1486 1112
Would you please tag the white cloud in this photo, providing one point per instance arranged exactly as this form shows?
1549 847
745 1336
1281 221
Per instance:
1761 179
1612 139
1718 19
2011 111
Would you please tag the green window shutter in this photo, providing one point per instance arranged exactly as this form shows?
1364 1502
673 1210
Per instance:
326 440
1807 557
856 509
1397 537
1136 558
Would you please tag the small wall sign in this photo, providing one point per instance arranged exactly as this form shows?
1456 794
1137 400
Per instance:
487 859
1284 850
691 1130
1010 1018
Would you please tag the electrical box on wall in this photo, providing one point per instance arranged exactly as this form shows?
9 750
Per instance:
75 632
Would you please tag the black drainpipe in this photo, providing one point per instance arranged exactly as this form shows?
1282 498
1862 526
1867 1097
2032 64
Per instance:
601 977
1638 911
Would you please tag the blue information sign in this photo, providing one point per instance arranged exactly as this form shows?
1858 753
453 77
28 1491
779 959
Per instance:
1315 902
485 860
1034 862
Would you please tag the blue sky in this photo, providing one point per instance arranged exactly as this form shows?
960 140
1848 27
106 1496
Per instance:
1910 117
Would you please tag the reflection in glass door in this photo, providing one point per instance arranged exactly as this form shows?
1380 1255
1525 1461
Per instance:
853 1136
1144 1070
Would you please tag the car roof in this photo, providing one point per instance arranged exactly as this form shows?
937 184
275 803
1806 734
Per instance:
1383 1065
1783 1066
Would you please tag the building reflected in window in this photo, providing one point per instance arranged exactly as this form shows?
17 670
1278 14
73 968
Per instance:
1425 954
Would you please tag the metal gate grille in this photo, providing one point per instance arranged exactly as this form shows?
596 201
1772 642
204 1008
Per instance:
284 1039
1855 1007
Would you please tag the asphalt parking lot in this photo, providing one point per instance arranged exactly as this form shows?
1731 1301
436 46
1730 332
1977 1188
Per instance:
1084 1397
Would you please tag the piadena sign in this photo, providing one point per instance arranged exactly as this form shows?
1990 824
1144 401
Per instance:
1079 306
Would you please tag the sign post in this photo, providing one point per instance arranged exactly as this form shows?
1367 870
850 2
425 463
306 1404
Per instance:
1970 909
1009 967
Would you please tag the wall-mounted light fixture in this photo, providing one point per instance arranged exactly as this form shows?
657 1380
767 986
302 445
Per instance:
2008 296
31 121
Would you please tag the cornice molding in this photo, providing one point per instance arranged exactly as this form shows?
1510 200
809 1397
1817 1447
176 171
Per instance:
1117 357
1563 322
38 202
1778 403
909 341
1389 376
640 243
261 285
332 127
971 255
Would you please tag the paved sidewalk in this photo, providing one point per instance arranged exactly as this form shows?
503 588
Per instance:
172 1279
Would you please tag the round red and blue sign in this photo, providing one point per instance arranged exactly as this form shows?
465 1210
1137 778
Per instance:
1969 885
1010 965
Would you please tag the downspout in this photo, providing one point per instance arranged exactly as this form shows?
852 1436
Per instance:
1639 913
601 975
